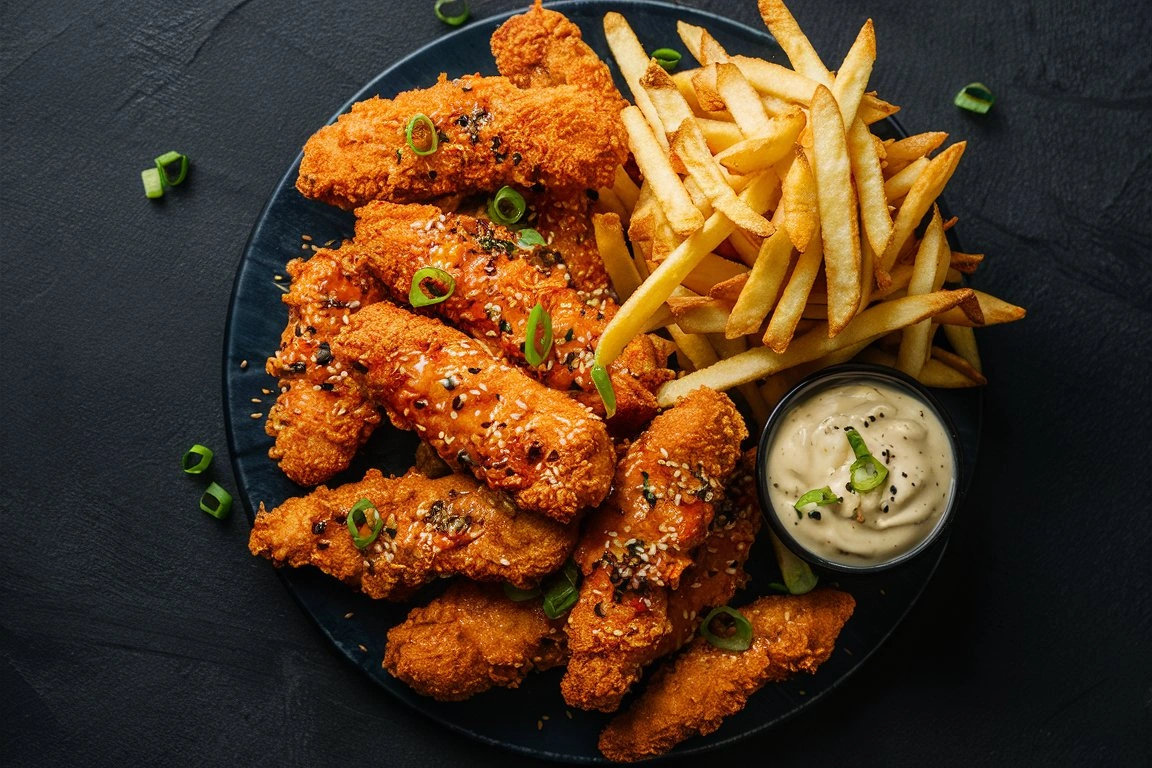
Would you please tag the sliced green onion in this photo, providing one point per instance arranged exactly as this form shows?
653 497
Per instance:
216 501
153 183
818 496
197 459
603 384
530 237
667 58
738 638
418 298
357 516
975 97
419 121
452 19
507 207
867 473
517 595
562 591
170 158
535 318
798 576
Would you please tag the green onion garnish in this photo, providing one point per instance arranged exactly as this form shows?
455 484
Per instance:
667 58
153 183
357 516
507 207
535 318
197 459
517 595
423 123
562 591
737 636
443 282
170 158
603 384
447 16
797 574
975 97
530 237
818 496
216 501
867 473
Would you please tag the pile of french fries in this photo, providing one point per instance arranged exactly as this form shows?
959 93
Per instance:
773 232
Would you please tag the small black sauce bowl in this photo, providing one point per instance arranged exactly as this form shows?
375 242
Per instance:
834 376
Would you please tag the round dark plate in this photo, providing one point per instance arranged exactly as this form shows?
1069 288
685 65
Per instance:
506 718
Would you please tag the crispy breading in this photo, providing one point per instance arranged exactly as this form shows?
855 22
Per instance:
322 414
694 692
432 527
496 285
636 547
491 133
481 414
470 639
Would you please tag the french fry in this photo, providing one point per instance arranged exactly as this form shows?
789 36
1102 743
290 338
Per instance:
741 100
839 229
918 200
897 186
800 204
796 45
700 314
682 215
729 290
790 308
626 189
963 340
870 190
713 270
935 373
702 87
762 287
903 151
615 255
995 311
852 77
915 341
633 61
762 151
720 134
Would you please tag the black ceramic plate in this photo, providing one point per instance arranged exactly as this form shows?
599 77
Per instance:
506 718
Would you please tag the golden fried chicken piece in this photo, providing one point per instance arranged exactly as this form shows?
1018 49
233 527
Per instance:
566 224
449 525
491 133
694 692
470 639
542 48
481 414
637 546
323 414
496 285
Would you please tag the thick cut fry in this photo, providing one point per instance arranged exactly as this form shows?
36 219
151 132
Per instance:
720 134
790 307
701 85
626 189
995 311
763 286
897 185
741 100
915 340
839 229
874 215
963 340
614 252
730 289
868 326
633 61
798 199
903 151
852 77
712 270
665 183
919 199
689 145
797 47
764 150
700 314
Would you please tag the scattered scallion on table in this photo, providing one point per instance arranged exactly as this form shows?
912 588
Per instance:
975 97
196 459
451 12
216 501
157 178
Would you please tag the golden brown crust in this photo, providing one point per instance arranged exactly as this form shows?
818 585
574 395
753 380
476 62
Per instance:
470 639
692 694
514 434
450 525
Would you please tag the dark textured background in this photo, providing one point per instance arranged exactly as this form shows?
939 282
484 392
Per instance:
136 631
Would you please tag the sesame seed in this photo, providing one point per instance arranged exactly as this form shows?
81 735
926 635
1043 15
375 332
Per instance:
256 415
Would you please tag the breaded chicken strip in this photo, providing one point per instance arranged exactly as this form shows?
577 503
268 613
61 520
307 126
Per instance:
470 639
694 692
636 547
496 285
323 413
450 525
491 133
481 414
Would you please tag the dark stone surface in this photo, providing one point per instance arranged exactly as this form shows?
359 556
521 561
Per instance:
136 631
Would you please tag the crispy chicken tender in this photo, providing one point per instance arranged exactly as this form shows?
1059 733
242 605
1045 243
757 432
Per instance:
692 694
323 413
636 547
491 133
496 285
470 639
450 525
481 414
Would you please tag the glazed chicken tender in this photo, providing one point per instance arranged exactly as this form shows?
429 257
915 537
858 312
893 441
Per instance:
692 694
470 639
481 414
490 133
450 525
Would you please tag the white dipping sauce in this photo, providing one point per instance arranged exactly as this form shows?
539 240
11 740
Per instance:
809 450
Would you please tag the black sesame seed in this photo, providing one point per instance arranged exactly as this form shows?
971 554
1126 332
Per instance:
457 402
319 526
420 404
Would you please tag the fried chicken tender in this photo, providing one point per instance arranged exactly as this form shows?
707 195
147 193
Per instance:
481 414
636 547
692 694
491 133
449 525
496 285
323 414
470 639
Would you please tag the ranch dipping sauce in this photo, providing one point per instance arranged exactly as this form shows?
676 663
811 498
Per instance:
809 449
